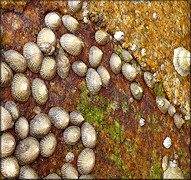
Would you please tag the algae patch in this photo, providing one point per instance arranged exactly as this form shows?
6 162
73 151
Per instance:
159 90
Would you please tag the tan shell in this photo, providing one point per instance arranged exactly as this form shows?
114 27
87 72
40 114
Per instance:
136 90
69 172
75 6
165 163
93 80
22 128
39 91
40 125
52 176
115 63
70 23
129 72
95 56
80 68
171 110
62 65
46 48
48 68
86 176
162 104
178 121
33 56
59 117
126 56
27 150
105 76
86 161
16 61
6 75
149 79
13 109
20 87
76 118
48 145
53 21
71 135
27 172
8 144
102 37
88 134
10 167
69 157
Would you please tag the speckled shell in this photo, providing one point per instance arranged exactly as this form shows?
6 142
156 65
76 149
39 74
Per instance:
75 6
10 167
71 135
52 176
178 121
6 75
53 21
70 23
149 79
79 68
6 119
27 172
39 91
8 144
93 80
76 118
86 176
48 145
95 56
48 68
105 76
72 44
33 56
89 137
59 117
27 151
16 61
63 65
129 72
126 56
20 87
102 37
69 157
86 161
13 109
136 90
115 63
69 172
162 104
22 128
40 125
171 110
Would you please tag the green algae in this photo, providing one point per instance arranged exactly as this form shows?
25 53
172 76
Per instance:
118 51
159 90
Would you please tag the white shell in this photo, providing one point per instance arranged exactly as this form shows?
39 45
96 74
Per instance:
69 172
167 142
178 121
119 35
105 76
6 119
76 118
6 75
22 128
52 21
115 63
13 109
95 56
75 6
52 176
126 56
102 37
162 104
129 72
69 157
171 110
80 68
70 23
136 90
142 122
173 173
149 79
71 135
27 172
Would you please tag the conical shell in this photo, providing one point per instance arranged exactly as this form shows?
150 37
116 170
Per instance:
27 151
71 135
93 80
70 23
129 72
171 110
95 56
53 21
33 56
13 109
75 6
86 161
48 68
48 145
39 91
89 137
62 65
115 63
136 90
178 121
79 68
22 128
76 118
105 76
126 56
40 125
72 44
69 157
20 87
149 79
59 117
16 61
102 37
69 172
86 176
27 172
6 119
6 75
52 176
162 104
8 144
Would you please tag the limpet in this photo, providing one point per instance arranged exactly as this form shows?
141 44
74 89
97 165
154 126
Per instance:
115 63
178 121
69 157
76 117
136 90
95 56
126 56
53 21
75 6
149 79
171 110
6 75
129 72
22 128
13 109
86 176
162 104
52 176
69 172
80 68
70 23
105 76
27 172
102 37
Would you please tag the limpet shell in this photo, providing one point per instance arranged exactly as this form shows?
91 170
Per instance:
129 72
126 56
115 63
46 48
52 176
165 163
70 23
86 161
16 61
88 133
27 150
102 37
22 128
149 79
13 109
33 56
162 104
86 176
80 68
6 75
27 172
95 56
53 21
69 172
39 91
75 6
76 118
71 135
178 121
69 157
59 117
105 76
136 90
72 44
171 110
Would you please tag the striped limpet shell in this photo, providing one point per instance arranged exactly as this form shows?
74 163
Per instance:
76 117
105 76
162 104
95 56
149 79
13 109
80 68
75 6
178 121
70 23
52 176
71 135
22 128
27 172
126 56
102 37
6 75
129 72
86 176
69 172
69 157
136 90
171 110
115 63
53 21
